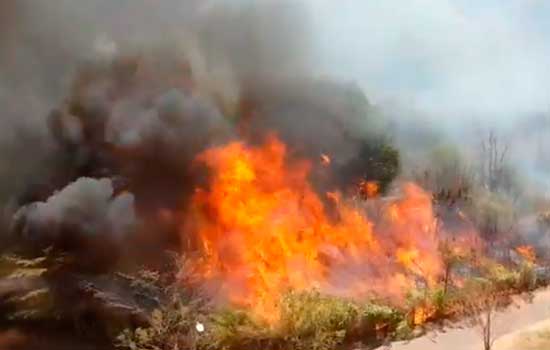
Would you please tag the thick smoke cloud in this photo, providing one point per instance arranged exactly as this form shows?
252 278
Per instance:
120 74
129 92
88 219
43 46
86 207
184 124
102 89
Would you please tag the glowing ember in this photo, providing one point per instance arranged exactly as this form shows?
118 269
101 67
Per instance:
263 230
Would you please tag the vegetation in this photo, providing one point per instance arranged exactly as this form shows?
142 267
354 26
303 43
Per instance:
311 320
377 161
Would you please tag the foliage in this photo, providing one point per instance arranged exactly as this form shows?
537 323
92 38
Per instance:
527 278
170 325
377 161
307 320
235 329
376 315
447 171
403 331
502 278
493 213
479 306
314 321
311 320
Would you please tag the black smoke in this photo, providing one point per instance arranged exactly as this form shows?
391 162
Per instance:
130 93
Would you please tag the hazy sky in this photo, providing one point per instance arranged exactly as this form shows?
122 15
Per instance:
467 58
488 58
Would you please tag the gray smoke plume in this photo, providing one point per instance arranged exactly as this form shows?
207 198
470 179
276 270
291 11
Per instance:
51 53
86 207
133 90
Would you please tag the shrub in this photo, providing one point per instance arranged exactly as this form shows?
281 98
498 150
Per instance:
310 320
527 278
503 278
235 329
378 320
171 326
403 331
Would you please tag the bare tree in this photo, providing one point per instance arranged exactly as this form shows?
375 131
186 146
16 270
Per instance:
484 321
493 158
480 308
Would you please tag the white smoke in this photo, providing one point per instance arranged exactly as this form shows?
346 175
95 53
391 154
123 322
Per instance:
86 206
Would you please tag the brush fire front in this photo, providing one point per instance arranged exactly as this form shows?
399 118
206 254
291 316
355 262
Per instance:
263 231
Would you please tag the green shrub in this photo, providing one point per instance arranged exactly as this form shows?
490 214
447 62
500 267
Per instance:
503 278
375 316
171 326
527 278
313 321
310 320
403 331
438 299
235 329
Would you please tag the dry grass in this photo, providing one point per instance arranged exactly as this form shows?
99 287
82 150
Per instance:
537 337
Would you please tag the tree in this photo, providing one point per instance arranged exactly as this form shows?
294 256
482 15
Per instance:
480 308
493 161
377 161
451 258
493 213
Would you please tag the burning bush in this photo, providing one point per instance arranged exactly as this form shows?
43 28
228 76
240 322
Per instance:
262 229
277 187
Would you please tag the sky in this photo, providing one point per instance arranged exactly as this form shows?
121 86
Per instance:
486 59
452 59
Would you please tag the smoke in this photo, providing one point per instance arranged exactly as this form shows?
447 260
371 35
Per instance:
424 53
180 122
451 59
85 207
88 219
127 93
44 46
159 80
446 73
134 89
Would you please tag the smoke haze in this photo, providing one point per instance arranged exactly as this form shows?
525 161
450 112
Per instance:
452 58
82 78
107 108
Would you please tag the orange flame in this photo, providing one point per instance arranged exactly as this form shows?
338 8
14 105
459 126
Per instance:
422 314
263 230
527 252
368 189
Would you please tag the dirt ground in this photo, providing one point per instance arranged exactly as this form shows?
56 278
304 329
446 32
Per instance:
534 337
525 326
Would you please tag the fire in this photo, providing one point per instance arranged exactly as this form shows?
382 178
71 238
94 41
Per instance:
368 189
263 230
421 314
527 252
